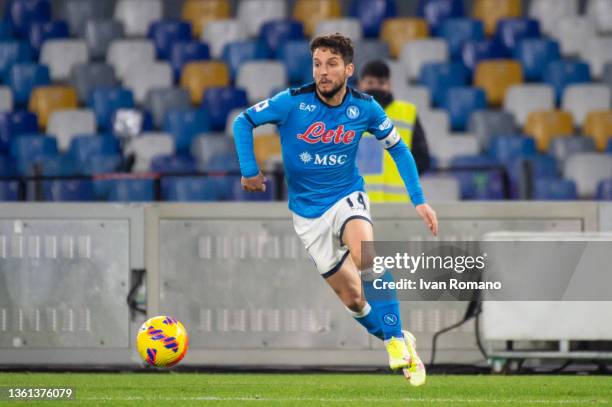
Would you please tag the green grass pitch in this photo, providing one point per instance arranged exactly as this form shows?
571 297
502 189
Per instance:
280 389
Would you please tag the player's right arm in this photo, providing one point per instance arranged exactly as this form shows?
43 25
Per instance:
274 110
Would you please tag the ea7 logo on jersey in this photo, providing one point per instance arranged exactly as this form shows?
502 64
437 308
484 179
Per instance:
262 105
307 107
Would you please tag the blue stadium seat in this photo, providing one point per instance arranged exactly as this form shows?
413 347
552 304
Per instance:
165 33
474 52
562 73
102 164
22 13
6 31
538 166
7 166
184 52
83 147
507 148
184 125
9 191
604 190
460 102
554 189
131 190
609 147
295 55
475 184
437 11
11 52
236 53
106 101
224 162
276 32
42 31
511 31
440 76
372 13
192 189
458 31
51 166
14 124
68 190
219 101
535 54
28 147
173 164
24 77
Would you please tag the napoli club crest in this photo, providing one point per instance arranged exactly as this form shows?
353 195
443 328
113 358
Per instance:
352 112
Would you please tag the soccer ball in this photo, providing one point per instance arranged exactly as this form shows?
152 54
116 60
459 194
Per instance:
162 341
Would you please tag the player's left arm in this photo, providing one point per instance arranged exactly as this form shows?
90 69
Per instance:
383 129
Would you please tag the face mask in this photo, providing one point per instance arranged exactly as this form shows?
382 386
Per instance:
382 97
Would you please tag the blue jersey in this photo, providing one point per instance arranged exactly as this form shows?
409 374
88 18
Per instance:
319 144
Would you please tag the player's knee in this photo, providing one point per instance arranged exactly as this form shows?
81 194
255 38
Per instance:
355 303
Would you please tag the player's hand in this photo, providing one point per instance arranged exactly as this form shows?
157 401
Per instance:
429 217
254 184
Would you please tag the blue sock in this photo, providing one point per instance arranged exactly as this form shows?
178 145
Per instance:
369 320
385 306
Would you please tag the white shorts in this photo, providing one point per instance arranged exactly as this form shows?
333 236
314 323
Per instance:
322 236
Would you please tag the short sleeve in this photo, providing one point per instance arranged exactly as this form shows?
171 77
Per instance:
382 127
273 110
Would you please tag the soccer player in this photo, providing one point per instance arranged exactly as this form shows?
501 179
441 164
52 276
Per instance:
320 125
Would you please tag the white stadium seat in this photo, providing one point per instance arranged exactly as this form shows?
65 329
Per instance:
254 13
6 99
142 78
61 55
65 124
522 99
351 27
218 33
147 146
416 53
122 54
580 99
137 15
550 12
261 78
587 170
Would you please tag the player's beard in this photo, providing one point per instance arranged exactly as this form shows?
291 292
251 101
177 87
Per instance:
331 93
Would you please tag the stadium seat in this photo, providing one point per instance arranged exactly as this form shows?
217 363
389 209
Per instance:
587 170
573 32
253 14
129 122
417 95
33 145
523 171
88 76
238 52
512 30
124 53
13 124
79 12
438 11
184 52
546 124
416 53
6 31
397 31
84 147
474 52
146 147
440 188
607 75
367 50
42 31
106 101
508 147
11 52
68 190
439 77
9 191
266 147
461 102
275 33
260 78
190 189
350 27
563 147
582 98
554 189
495 77
550 12
23 13
535 54
371 14
220 101
99 34
435 122
200 12
445 148
598 126
102 164
604 190
24 77
601 12
44 100
219 33
482 184
598 51
492 11
185 125
295 55
131 190
65 124
61 55
204 147
310 12
457 31
53 166
224 162
522 99
165 33
199 76
160 100
143 78
6 99
559 74
486 124
173 164
137 15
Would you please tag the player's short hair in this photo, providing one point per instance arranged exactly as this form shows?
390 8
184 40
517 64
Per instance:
336 43
377 69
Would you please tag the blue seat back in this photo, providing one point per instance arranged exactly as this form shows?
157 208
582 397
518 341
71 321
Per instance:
184 125
238 52
554 189
295 54
187 51
22 13
372 13
511 31
24 77
561 73
461 102
106 101
276 32
165 33
534 55
458 31
441 76
42 31
219 101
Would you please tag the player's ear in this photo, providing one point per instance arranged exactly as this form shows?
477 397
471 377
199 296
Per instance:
350 69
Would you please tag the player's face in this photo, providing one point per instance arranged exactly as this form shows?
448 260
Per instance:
329 71
370 83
